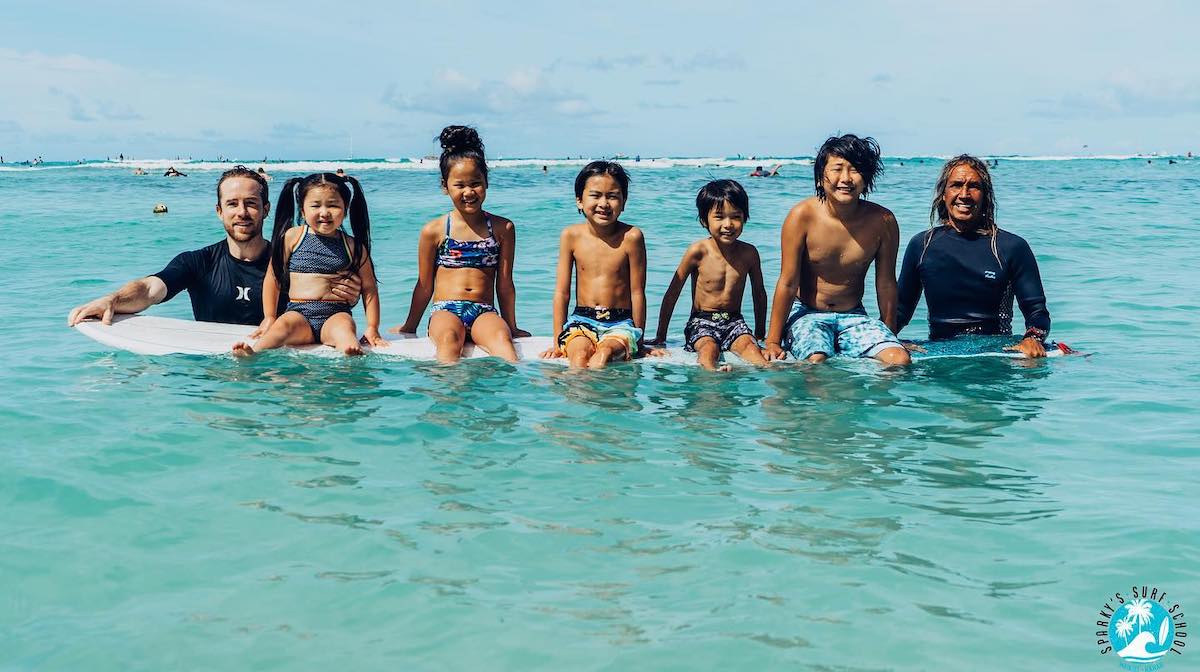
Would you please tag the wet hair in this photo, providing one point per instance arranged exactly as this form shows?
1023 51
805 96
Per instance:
460 143
242 171
717 192
940 216
862 153
613 170
290 210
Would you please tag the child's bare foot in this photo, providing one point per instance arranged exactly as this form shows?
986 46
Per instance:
352 349
242 349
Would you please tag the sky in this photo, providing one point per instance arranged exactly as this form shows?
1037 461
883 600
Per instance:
373 79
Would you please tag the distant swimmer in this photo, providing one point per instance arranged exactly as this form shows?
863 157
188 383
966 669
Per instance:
545 169
138 171
341 173
1171 161
759 172
264 174
171 172
160 208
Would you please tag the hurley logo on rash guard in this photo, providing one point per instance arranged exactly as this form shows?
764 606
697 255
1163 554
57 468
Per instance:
990 275
243 294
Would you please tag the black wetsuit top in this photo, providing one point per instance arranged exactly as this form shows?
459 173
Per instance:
222 287
966 289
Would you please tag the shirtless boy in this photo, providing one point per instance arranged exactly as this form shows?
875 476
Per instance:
718 266
609 260
829 242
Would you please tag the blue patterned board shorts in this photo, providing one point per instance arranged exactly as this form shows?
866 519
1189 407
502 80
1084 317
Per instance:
722 327
318 313
467 311
596 330
852 333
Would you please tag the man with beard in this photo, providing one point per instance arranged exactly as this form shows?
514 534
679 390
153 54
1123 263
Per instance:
224 280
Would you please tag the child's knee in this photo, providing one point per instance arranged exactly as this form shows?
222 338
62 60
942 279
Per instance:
895 357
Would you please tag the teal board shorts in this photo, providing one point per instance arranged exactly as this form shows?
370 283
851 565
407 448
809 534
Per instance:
851 333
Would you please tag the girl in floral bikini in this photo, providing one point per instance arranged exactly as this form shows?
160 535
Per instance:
465 261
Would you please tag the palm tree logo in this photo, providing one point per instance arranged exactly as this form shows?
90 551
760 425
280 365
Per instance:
1143 631
1125 628
1139 610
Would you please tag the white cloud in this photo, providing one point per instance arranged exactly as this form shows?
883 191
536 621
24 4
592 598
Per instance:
519 95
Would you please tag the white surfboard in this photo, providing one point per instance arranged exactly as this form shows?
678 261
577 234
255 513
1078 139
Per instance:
151 335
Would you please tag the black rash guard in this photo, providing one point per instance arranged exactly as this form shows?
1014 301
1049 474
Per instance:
222 287
966 289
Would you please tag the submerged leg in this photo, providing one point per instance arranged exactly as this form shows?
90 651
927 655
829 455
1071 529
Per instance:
491 333
708 352
448 334
746 347
339 331
607 350
291 328
894 357
579 352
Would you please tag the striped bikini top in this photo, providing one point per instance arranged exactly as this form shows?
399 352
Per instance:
481 254
315 253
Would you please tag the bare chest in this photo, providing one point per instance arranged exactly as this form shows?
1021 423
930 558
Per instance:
594 258
828 249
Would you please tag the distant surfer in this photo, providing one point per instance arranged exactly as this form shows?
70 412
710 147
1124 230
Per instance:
970 269
138 171
759 172
261 171
171 172
224 280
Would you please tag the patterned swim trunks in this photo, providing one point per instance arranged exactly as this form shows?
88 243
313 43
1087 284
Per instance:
851 333
598 324
722 326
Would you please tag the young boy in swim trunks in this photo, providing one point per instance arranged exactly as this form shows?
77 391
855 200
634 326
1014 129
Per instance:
718 266
609 260
829 242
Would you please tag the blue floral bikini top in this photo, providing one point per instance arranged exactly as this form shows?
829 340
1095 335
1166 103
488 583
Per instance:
483 253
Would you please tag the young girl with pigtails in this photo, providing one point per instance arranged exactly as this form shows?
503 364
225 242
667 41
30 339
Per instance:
305 256
465 261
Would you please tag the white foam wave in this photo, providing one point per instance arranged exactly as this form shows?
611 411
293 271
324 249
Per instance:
153 166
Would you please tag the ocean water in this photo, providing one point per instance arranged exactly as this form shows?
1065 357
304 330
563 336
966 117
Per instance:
300 513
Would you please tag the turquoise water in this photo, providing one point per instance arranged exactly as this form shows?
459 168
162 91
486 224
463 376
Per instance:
299 513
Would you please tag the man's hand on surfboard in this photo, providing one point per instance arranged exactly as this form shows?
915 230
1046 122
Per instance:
100 308
1030 347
